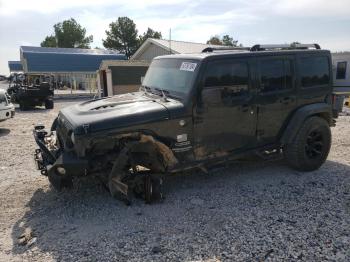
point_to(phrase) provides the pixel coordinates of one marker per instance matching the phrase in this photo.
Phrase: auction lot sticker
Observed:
(187, 66)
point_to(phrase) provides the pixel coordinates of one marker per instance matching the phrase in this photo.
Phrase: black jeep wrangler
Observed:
(193, 111)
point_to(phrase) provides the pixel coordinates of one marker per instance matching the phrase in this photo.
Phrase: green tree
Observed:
(225, 40)
(294, 44)
(150, 33)
(50, 41)
(214, 40)
(68, 34)
(122, 36)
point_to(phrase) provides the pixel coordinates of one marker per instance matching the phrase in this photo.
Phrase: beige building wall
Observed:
(123, 89)
(151, 52)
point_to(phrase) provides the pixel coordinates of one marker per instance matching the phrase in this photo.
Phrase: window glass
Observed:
(288, 74)
(173, 75)
(314, 71)
(2, 99)
(341, 70)
(232, 76)
(273, 75)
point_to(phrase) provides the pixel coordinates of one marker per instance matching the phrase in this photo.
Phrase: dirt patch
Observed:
(243, 212)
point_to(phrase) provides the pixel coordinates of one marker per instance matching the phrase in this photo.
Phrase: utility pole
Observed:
(170, 41)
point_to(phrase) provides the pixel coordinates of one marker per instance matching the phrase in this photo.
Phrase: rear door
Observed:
(276, 96)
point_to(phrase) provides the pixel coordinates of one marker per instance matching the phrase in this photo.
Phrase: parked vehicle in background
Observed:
(341, 77)
(3, 78)
(7, 109)
(196, 110)
(30, 93)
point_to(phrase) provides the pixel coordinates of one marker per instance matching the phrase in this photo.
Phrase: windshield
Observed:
(172, 75)
(3, 99)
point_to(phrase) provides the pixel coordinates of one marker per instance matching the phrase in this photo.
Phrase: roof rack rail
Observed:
(284, 47)
(224, 48)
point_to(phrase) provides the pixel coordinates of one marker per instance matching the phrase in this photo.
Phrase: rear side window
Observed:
(341, 70)
(275, 75)
(232, 75)
(314, 71)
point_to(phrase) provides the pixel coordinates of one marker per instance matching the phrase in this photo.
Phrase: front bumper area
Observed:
(59, 166)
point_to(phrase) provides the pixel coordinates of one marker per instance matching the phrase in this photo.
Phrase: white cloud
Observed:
(313, 8)
(186, 27)
(11, 7)
(253, 21)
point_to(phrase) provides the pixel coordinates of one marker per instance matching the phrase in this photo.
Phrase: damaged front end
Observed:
(53, 161)
(126, 162)
(112, 139)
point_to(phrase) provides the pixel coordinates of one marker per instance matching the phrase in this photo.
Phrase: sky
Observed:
(326, 22)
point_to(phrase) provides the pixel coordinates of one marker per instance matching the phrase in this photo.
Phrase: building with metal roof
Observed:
(72, 67)
(157, 47)
(15, 66)
(118, 77)
(38, 60)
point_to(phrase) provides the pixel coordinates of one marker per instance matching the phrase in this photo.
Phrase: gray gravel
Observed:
(243, 212)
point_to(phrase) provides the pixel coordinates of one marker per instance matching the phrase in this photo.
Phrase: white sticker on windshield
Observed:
(187, 66)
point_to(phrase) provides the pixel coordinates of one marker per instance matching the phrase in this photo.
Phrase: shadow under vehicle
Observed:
(31, 91)
(193, 111)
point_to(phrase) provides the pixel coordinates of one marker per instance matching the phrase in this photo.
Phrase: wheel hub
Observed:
(314, 144)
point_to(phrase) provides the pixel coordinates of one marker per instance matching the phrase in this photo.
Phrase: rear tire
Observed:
(49, 104)
(310, 147)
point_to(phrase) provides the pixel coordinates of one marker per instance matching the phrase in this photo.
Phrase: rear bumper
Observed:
(59, 165)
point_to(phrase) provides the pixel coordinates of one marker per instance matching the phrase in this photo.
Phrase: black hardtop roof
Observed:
(243, 53)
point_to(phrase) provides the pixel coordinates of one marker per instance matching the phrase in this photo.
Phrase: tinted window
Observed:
(3, 99)
(341, 70)
(275, 75)
(314, 71)
(288, 74)
(230, 75)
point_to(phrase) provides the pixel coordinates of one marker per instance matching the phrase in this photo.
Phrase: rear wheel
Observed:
(49, 104)
(311, 145)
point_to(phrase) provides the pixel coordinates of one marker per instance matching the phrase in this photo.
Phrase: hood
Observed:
(115, 112)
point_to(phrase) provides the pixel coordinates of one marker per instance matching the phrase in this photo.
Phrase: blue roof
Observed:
(15, 66)
(46, 59)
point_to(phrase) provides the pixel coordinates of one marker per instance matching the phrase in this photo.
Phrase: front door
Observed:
(225, 117)
(276, 97)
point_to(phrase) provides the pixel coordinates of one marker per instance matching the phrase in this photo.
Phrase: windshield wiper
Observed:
(145, 89)
(163, 93)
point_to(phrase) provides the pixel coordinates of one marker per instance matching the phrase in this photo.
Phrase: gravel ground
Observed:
(243, 212)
